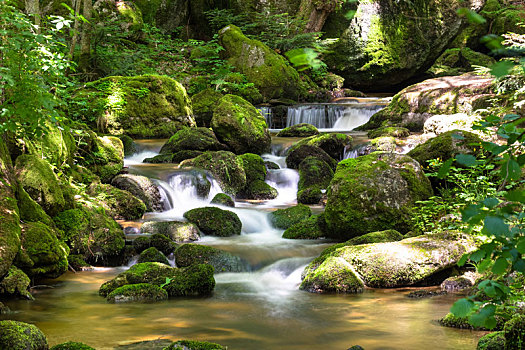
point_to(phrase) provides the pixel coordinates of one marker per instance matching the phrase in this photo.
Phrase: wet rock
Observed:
(204, 103)
(334, 144)
(311, 228)
(15, 283)
(142, 188)
(459, 283)
(258, 190)
(223, 199)
(214, 221)
(118, 203)
(299, 130)
(78, 263)
(285, 218)
(178, 231)
(192, 139)
(15, 335)
(130, 147)
(71, 345)
(152, 254)
(157, 240)
(333, 275)
(420, 294)
(314, 178)
(297, 154)
(142, 293)
(190, 254)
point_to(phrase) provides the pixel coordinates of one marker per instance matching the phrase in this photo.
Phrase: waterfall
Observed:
(267, 114)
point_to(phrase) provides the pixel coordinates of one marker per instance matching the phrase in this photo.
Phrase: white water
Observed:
(354, 117)
(138, 158)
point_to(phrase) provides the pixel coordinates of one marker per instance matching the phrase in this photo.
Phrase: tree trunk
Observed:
(33, 8)
(316, 12)
(85, 40)
(74, 39)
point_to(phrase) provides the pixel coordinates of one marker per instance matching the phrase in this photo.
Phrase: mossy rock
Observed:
(299, 130)
(194, 280)
(446, 146)
(15, 335)
(4, 310)
(183, 155)
(178, 231)
(311, 228)
(42, 254)
(204, 103)
(147, 106)
(453, 321)
(192, 139)
(157, 240)
(214, 221)
(15, 283)
(314, 177)
(384, 144)
(333, 275)
(253, 166)
(457, 61)
(40, 182)
(258, 190)
(334, 144)
(191, 254)
(56, 145)
(492, 341)
(268, 71)
(238, 124)
(223, 199)
(159, 159)
(107, 158)
(224, 166)
(194, 345)
(374, 192)
(376, 237)
(130, 147)
(141, 292)
(311, 195)
(390, 131)
(78, 263)
(285, 218)
(297, 154)
(142, 188)
(31, 211)
(152, 254)
(90, 232)
(118, 203)
(514, 330)
(72, 345)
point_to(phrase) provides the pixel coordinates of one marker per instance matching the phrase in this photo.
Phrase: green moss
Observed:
(177, 231)
(191, 254)
(334, 144)
(450, 320)
(183, 155)
(333, 275)
(141, 292)
(192, 139)
(258, 190)
(310, 228)
(56, 145)
(296, 155)
(141, 106)
(203, 105)
(194, 345)
(285, 218)
(299, 130)
(148, 272)
(492, 341)
(160, 159)
(15, 283)
(376, 237)
(156, 240)
(223, 199)
(515, 333)
(214, 221)
(109, 158)
(71, 345)
(253, 166)
(314, 177)
(119, 204)
(238, 124)
(142, 188)
(152, 254)
(192, 280)
(391, 131)
(77, 262)
(15, 335)
(30, 210)
(129, 145)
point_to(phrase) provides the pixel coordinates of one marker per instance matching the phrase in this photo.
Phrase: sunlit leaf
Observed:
(511, 170)
(472, 16)
(500, 266)
(494, 225)
(462, 307)
(501, 68)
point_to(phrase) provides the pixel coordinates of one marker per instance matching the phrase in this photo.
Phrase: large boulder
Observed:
(204, 103)
(42, 254)
(56, 145)
(238, 124)
(296, 155)
(152, 254)
(191, 254)
(141, 106)
(387, 265)
(156, 240)
(314, 178)
(142, 188)
(140, 292)
(285, 218)
(267, 70)
(214, 221)
(311, 228)
(107, 157)
(15, 335)
(412, 106)
(15, 284)
(374, 192)
(192, 139)
(118, 203)
(178, 231)
(334, 144)
(255, 171)
(225, 167)
(299, 130)
(387, 43)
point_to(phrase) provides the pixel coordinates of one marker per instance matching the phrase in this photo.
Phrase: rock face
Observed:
(388, 42)
(412, 106)
(268, 71)
(386, 265)
(141, 106)
(142, 188)
(238, 124)
(15, 335)
(374, 192)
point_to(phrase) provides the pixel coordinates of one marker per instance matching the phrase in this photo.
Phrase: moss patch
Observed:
(285, 218)
(190, 254)
(214, 221)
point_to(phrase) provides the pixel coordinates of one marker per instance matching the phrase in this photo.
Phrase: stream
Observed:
(259, 309)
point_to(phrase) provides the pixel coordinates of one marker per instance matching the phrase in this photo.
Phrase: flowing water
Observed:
(258, 309)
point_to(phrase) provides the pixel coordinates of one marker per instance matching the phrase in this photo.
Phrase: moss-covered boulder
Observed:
(40, 182)
(383, 144)
(178, 231)
(214, 221)
(492, 341)
(373, 193)
(42, 254)
(258, 190)
(142, 188)
(255, 170)
(31, 211)
(314, 178)
(458, 61)
(394, 264)
(141, 292)
(297, 154)
(223, 199)
(514, 330)
(192, 139)
(72, 345)
(376, 237)
(333, 275)
(224, 166)
(284, 218)
(118, 203)
(334, 144)
(90, 232)
(152, 254)
(194, 345)
(267, 70)
(387, 43)
(157, 240)
(192, 280)
(190, 254)
(412, 106)
(204, 103)
(130, 147)
(253, 166)
(15, 335)
(140, 107)
(56, 145)
(299, 130)
(311, 228)
(447, 145)
(106, 158)
(390, 131)
(238, 124)
(15, 283)
(77, 263)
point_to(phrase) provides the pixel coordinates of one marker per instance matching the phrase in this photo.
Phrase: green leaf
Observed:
(519, 266)
(472, 16)
(500, 266)
(516, 196)
(501, 68)
(511, 170)
(494, 225)
(444, 169)
(490, 202)
(462, 307)
(463, 260)
(466, 160)
(477, 255)
(484, 265)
